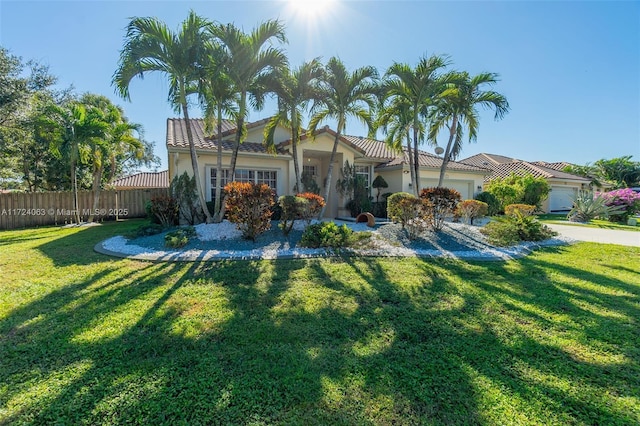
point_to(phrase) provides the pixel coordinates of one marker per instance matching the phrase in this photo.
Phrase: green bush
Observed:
(148, 229)
(291, 208)
(249, 207)
(443, 203)
(415, 215)
(471, 209)
(164, 209)
(394, 210)
(524, 209)
(493, 204)
(326, 234)
(516, 189)
(509, 230)
(180, 237)
(183, 190)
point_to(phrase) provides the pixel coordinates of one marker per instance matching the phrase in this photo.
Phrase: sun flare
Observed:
(310, 8)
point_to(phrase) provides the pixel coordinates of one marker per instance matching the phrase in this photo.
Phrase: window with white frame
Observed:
(310, 170)
(269, 177)
(364, 172)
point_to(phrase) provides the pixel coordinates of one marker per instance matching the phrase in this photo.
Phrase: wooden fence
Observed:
(24, 210)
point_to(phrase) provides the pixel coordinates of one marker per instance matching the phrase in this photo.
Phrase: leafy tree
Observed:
(621, 171)
(294, 89)
(343, 94)
(150, 46)
(516, 189)
(414, 92)
(456, 111)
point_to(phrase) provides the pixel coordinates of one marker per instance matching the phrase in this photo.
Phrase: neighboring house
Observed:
(143, 180)
(255, 164)
(564, 186)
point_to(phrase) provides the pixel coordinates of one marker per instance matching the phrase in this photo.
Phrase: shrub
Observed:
(493, 204)
(515, 189)
(443, 203)
(393, 206)
(471, 209)
(509, 230)
(415, 215)
(164, 209)
(148, 229)
(379, 209)
(354, 186)
(180, 237)
(183, 189)
(249, 207)
(326, 234)
(524, 209)
(315, 203)
(291, 208)
(626, 201)
(588, 206)
(379, 184)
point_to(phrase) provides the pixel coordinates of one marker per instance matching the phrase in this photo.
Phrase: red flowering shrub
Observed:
(249, 207)
(443, 203)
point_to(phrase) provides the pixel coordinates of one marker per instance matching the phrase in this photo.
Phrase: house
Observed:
(564, 186)
(370, 157)
(143, 180)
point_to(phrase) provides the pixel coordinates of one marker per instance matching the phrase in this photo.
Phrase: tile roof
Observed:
(177, 136)
(487, 160)
(144, 180)
(523, 167)
(373, 148)
(558, 166)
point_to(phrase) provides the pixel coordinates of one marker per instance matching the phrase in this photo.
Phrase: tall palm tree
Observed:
(418, 89)
(456, 110)
(343, 94)
(250, 61)
(150, 46)
(218, 98)
(396, 121)
(294, 89)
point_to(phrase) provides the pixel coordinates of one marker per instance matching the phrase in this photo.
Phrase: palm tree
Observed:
(456, 110)
(218, 98)
(418, 89)
(151, 46)
(250, 61)
(396, 121)
(294, 90)
(343, 94)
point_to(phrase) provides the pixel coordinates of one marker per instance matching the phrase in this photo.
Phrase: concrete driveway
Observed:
(598, 235)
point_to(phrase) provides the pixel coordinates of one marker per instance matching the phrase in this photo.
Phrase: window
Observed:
(364, 172)
(268, 177)
(310, 170)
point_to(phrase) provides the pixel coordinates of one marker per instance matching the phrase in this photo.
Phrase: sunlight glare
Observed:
(310, 8)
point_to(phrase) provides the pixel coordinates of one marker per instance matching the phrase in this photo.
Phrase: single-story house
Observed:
(144, 180)
(370, 157)
(564, 186)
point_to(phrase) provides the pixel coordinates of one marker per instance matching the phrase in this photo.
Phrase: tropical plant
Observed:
(294, 89)
(443, 202)
(394, 209)
(415, 214)
(249, 207)
(627, 202)
(413, 91)
(493, 204)
(353, 186)
(471, 209)
(291, 208)
(150, 46)
(164, 210)
(621, 171)
(327, 234)
(343, 94)
(588, 206)
(456, 111)
(183, 190)
(251, 61)
(313, 206)
(379, 184)
(517, 189)
(509, 230)
(180, 237)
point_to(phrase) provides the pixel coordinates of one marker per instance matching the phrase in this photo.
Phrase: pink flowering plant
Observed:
(624, 198)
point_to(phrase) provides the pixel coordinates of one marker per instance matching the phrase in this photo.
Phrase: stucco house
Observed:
(371, 158)
(564, 186)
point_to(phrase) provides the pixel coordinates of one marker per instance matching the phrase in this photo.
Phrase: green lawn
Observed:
(553, 338)
(561, 219)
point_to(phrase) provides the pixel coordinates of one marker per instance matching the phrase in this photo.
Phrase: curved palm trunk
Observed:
(74, 185)
(294, 152)
(327, 184)
(411, 161)
(447, 153)
(416, 162)
(219, 212)
(194, 164)
(97, 178)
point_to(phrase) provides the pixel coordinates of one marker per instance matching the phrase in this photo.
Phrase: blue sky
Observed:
(570, 70)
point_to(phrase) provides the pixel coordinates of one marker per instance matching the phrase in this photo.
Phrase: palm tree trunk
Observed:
(447, 153)
(411, 161)
(219, 208)
(416, 162)
(74, 185)
(194, 164)
(294, 151)
(97, 177)
(327, 184)
(236, 147)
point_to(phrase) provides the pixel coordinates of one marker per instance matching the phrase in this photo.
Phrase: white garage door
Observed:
(464, 187)
(561, 198)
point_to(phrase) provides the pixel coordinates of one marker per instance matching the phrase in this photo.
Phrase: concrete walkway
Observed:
(598, 235)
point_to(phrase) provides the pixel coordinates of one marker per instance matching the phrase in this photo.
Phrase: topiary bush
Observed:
(164, 209)
(493, 204)
(394, 210)
(326, 234)
(314, 204)
(524, 209)
(443, 203)
(249, 207)
(471, 209)
(180, 237)
(291, 208)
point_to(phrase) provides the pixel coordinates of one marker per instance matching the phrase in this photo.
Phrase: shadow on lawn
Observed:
(338, 341)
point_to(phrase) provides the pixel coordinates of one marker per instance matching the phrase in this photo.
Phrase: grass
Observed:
(561, 219)
(553, 338)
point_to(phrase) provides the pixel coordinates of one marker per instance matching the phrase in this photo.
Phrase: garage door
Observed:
(464, 187)
(561, 199)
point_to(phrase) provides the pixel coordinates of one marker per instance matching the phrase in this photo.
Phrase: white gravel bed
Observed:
(121, 247)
